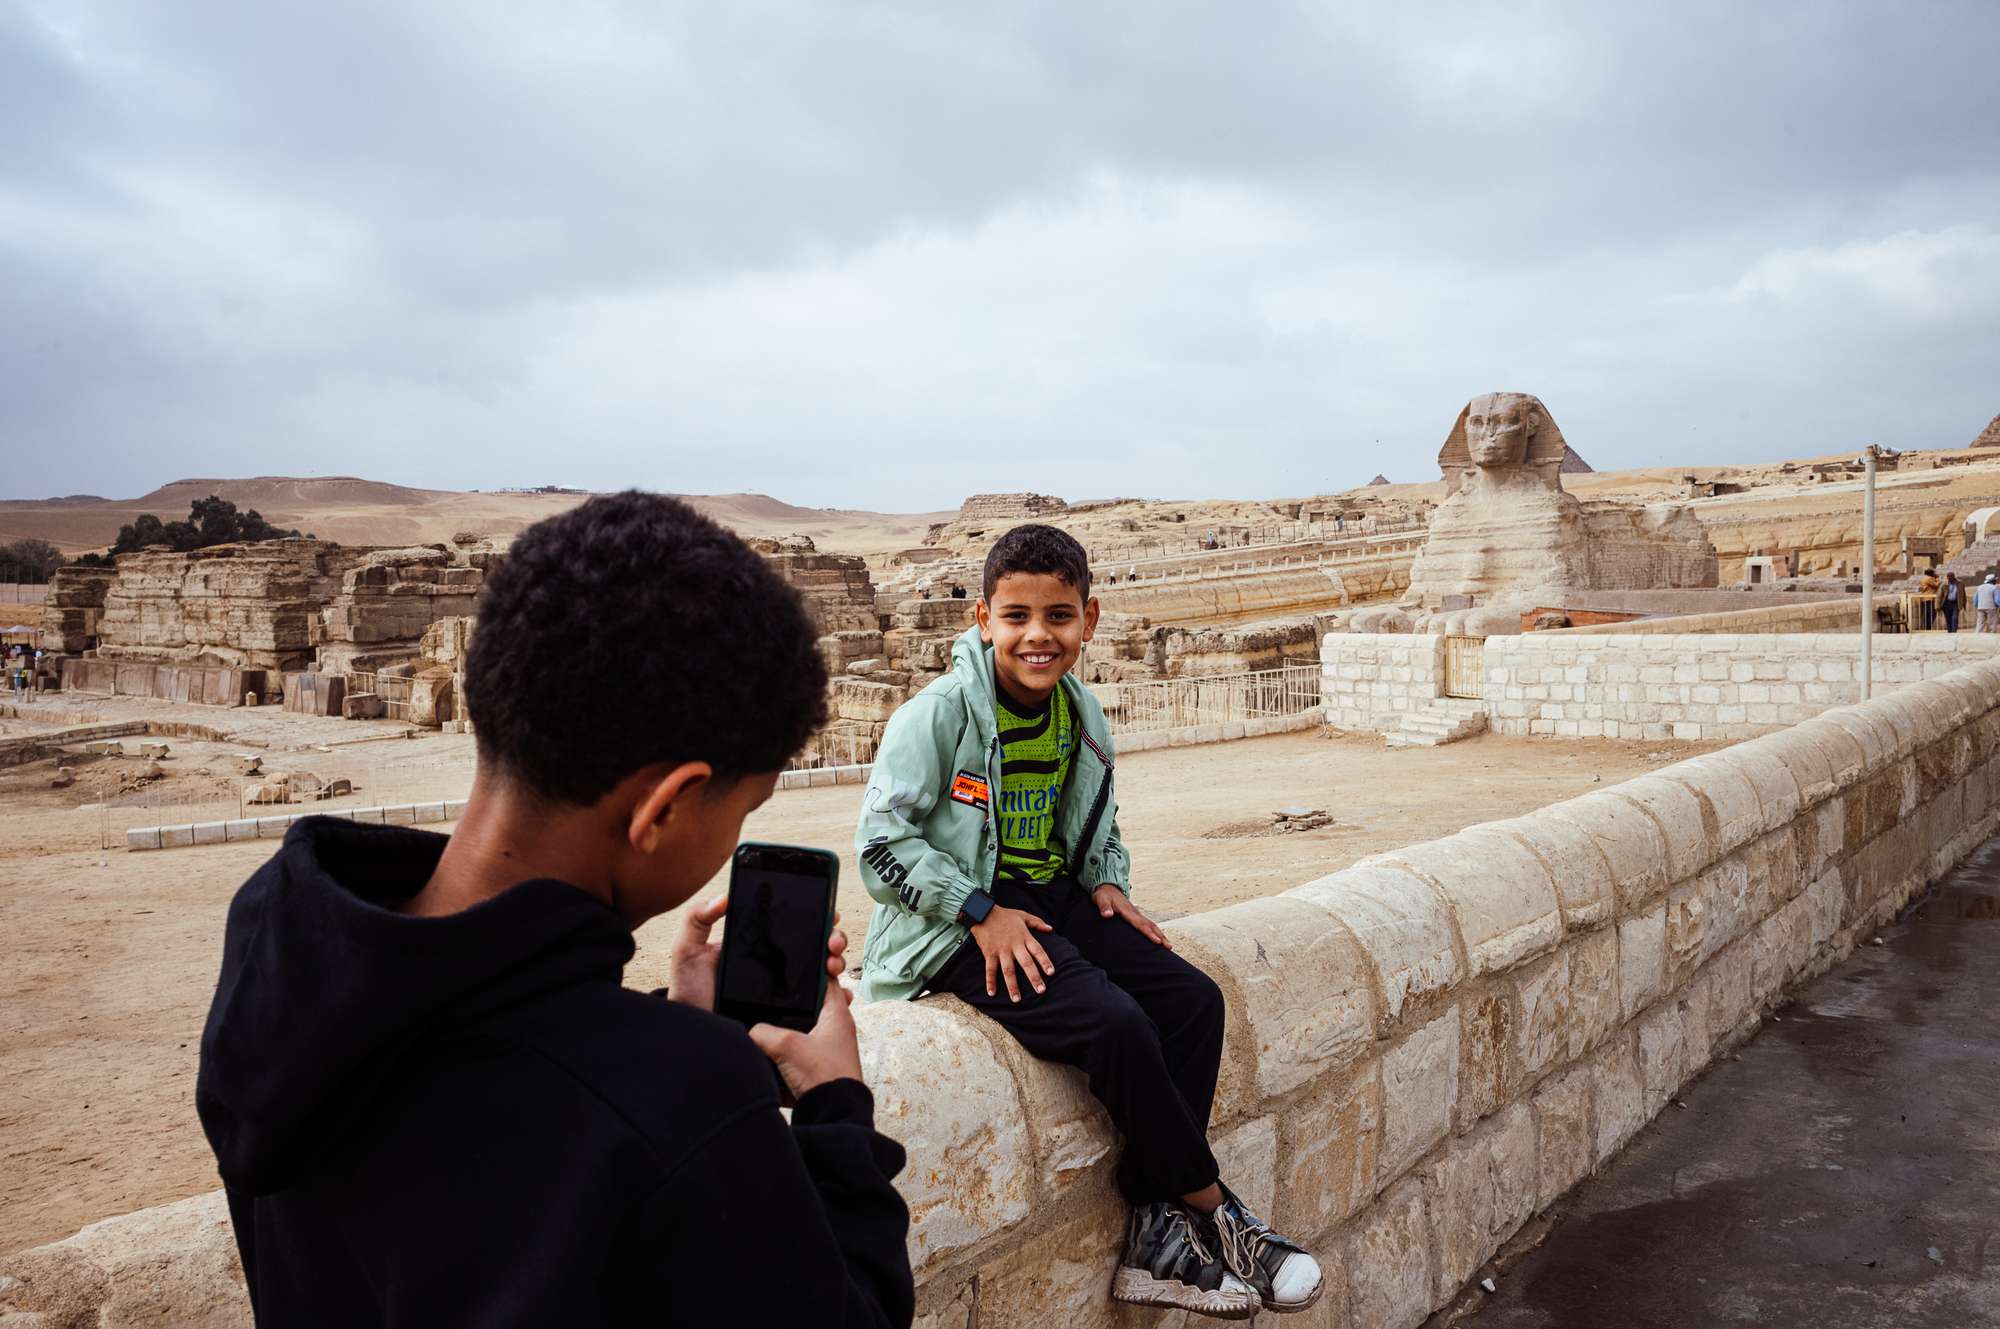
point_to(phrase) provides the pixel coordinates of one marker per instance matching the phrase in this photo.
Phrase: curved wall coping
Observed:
(1423, 1049)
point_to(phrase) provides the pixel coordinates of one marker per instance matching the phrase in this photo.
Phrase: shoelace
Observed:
(1178, 1217)
(1244, 1237)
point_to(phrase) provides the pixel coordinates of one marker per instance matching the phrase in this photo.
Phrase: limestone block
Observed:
(1846, 759)
(1618, 1098)
(1419, 1094)
(1679, 815)
(1386, 1255)
(1402, 923)
(1642, 969)
(273, 828)
(1729, 1005)
(1777, 789)
(1688, 910)
(1300, 981)
(1501, 892)
(942, 1092)
(1826, 903)
(1326, 1162)
(1488, 1069)
(142, 837)
(1563, 1144)
(399, 814)
(1594, 1008)
(172, 1264)
(176, 837)
(1248, 1159)
(1726, 889)
(1576, 864)
(1660, 1036)
(1631, 841)
(1545, 1030)
(1779, 948)
(1876, 738)
(1060, 1276)
(243, 829)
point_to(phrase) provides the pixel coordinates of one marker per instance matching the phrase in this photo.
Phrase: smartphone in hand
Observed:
(773, 965)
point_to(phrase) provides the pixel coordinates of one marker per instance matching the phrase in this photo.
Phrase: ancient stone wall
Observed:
(249, 606)
(836, 587)
(74, 608)
(1638, 549)
(1657, 686)
(1226, 596)
(386, 602)
(1654, 686)
(1424, 1050)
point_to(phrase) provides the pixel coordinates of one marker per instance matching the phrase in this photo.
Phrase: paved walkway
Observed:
(1843, 1171)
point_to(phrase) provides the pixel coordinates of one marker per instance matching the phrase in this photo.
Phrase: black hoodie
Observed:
(468, 1120)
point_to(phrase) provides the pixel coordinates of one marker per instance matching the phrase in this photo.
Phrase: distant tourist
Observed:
(1949, 601)
(1987, 601)
(957, 591)
(431, 1097)
(989, 839)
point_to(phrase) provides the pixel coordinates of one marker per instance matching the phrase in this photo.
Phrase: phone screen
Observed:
(774, 942)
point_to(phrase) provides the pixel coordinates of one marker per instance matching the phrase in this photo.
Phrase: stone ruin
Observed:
(308, 611)
(1509, 538)
(983, 517)
(1989, 437)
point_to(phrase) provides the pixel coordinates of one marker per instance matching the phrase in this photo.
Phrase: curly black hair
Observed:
(1038, 548)
(634, 630)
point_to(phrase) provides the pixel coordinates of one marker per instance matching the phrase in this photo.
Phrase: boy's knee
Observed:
(1206, 995)
(1122, 1021)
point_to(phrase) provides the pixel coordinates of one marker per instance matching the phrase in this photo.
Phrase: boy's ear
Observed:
(664, 793)
(1090, 612)
(982, 614)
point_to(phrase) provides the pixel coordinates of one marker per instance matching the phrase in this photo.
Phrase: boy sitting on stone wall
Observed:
(432, 1099)
(989, 839)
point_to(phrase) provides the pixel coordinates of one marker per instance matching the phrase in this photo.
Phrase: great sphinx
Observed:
(1508, 537)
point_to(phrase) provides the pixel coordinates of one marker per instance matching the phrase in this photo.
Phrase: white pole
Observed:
(1868, 574)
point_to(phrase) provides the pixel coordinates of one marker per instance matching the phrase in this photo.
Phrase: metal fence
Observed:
(1137, 708)
(392, 689)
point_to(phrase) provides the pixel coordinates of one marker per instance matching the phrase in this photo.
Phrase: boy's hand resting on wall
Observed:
(1112, 902)
(1007, 939)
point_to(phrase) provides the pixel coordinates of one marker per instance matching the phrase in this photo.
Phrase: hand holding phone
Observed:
(829, 1052)
(773, 965)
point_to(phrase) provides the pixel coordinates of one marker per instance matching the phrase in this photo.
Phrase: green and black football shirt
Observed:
(1035, 751)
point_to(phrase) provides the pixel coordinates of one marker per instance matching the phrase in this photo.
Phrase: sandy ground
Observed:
(110, 958)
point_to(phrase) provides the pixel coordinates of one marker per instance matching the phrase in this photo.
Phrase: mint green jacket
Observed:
(928, 833)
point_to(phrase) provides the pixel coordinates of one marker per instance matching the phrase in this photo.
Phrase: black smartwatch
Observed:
(976, 907)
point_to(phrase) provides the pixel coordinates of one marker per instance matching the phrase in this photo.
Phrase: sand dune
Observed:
(352, 510)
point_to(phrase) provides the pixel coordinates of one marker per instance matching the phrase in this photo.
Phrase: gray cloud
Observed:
(885, 255)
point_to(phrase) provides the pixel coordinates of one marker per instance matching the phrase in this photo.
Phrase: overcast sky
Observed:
(883, 256)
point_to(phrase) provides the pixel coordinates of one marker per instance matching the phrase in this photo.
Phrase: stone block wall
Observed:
(1698, 686)
(1653, 686)
(1371, 680)
(1424, 1050)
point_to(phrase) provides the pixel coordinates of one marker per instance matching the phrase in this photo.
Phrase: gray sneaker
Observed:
(1173, 1257)
(1286, 1278)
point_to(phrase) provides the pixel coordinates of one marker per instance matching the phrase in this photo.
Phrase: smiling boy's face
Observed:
(1037, 623)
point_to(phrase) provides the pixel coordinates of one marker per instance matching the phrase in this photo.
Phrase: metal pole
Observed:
(1868, 573)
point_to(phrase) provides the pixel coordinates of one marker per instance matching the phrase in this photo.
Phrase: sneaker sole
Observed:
(1137, 1287)
(1293, 1307)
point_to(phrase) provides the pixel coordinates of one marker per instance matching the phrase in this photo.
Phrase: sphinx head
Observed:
(1500, 426)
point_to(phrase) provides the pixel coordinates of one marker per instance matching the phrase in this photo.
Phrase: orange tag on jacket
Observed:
(969, 789)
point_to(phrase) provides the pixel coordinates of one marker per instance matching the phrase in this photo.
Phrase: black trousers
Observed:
(1142, 1023)
(1951, 615)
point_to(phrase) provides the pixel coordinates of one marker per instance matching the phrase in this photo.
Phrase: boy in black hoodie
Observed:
(431, 1099)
